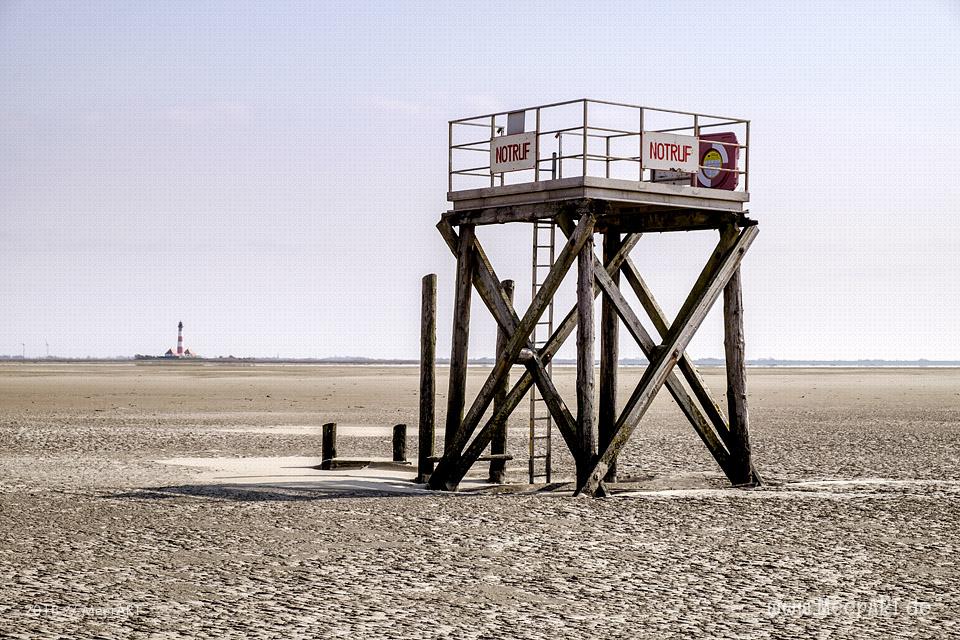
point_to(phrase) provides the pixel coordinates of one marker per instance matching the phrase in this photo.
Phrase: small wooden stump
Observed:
(399, 443)
(328, 445)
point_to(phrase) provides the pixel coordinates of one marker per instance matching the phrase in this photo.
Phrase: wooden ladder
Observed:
(541, 423)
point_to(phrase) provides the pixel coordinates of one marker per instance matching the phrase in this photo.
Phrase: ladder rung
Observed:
(541, 437)
(538, 457)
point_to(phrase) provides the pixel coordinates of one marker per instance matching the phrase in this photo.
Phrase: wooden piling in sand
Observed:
(328, 445)
(586, 427)
(428, 373)
(498, 443)
(399, 443)
(733, 343)
(456, 394)
(609, 356)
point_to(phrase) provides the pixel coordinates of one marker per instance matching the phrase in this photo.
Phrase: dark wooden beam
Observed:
(498, 444)
(609, 356)
(584, 231)
(686, 403)
(637, 220)
(688, 369)
(586, 427)
(685, 364)
(428, 376)
(733, 342)
(500, 305)
(459, 466)
(457, 389)
(695, 310)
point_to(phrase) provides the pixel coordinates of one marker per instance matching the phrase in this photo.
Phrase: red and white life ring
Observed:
(714, 157)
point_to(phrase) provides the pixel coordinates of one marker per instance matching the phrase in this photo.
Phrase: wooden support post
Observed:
(693, 312)
(586, 428)
(428, 377)
(498, 443)
(604, 280)
(711, 409)
(399, 443)
(566, 424)
(328, 445)
(733, 343)
(495, 297)
(451, 469)
(456, 396)
(609, 355)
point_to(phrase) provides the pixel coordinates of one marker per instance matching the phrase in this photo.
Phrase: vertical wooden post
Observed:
(456, 395)
(399, 443)
(586, 431)
(328, 445)
(428, 376)
(609, 355)
(733, 343)
(498, 443)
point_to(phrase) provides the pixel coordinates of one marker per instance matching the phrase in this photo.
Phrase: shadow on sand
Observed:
(268, 493)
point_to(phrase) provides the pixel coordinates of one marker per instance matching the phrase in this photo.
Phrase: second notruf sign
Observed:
(513, 153)
(669, 152)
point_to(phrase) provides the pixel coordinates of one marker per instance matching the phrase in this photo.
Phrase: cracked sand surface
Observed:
(857, 535)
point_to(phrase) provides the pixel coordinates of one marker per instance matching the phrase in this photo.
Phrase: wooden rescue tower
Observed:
(594, 167)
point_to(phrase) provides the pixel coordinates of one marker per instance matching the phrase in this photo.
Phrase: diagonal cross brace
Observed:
(495, 297)
(517, 341)
(689, 370)
(648, 346)
(459, 467)
(523, 385)
(681, 332)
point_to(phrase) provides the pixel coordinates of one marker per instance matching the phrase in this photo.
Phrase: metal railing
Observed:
(586, 138)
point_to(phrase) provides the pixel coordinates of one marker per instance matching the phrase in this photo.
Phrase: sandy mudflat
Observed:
(120, 518)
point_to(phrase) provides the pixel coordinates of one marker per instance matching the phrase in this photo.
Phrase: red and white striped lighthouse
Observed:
(180, 340)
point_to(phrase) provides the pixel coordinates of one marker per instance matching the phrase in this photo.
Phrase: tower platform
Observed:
(631, 205)
(581, 168)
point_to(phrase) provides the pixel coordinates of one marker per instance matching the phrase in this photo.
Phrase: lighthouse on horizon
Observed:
(180, 352)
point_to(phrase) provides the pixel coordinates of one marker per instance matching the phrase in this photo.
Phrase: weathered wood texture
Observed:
(399, 443)
(328, 445)
(586, 427)
(711, 408)
(693, 312)
(609, 356)
(565, 422)
(524, 202)
(629, 219)
(649, 347)
(451, 468)
(498, 444)
(493, 295)
(733, 342)
(428, 376)
(456, 394)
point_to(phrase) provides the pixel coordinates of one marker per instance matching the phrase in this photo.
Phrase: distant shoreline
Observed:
(631, 362)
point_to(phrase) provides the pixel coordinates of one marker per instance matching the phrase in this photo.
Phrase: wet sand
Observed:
(856, 533)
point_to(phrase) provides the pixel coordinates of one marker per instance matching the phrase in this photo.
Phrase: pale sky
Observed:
(271, 173)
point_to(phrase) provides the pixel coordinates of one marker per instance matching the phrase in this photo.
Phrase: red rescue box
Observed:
(719, 151)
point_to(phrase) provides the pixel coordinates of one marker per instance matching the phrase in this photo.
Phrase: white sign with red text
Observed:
(513, 153)
(669, 152)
